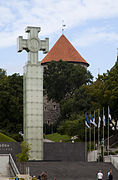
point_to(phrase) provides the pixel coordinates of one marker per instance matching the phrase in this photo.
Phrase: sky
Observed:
(91, 27)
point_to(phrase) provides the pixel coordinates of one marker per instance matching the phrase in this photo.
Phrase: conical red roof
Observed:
(65, 51)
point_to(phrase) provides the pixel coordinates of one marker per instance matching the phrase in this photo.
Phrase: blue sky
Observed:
(91, 26)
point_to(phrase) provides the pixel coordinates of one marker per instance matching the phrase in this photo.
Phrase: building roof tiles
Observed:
(65, 51)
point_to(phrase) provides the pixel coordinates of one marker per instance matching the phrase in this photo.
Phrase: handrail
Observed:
(13, 165)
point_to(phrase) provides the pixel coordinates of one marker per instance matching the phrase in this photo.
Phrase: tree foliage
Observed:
(11, 102)
(73, 126)
(61, 79)
(79, 103)
(104, 91)
(25, 153)
(67, 84)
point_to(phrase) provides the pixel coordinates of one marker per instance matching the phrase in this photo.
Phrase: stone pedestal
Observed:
(33, 109)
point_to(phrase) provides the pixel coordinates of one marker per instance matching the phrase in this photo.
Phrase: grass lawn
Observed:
(4, 138)
(57, 137)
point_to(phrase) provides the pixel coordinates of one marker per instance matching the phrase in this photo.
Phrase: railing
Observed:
(13, 165)
(112, 140)
(114, 160)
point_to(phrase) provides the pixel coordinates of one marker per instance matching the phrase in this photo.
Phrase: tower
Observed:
(64, 50)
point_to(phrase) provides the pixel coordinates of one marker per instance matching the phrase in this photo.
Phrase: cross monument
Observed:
(33, 91)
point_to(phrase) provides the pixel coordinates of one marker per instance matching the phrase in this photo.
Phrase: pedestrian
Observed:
(44, 176)
(99, 175)
(34, 178)
(39, 178)
(110, 175)
(17, 178)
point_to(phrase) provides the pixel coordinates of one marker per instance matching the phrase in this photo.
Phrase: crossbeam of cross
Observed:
(33, 44)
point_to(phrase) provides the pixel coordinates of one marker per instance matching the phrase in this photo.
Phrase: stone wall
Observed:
(12, 148)
(51, 111)
(64, 151)
(52, 151)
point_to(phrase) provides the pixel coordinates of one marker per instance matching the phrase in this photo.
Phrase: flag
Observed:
(109, 116)
(92, 120)
(87, 122)
(117, 125)
(104, 120)
(113, 122)
(99, 121)
(113, 128)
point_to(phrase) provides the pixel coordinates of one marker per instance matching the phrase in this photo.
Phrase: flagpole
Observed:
(90, 138)
(103, 133)
(108, 131)
(94, 137)
(98, 133)
(85, 143)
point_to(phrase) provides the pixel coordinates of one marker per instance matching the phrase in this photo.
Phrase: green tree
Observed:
(62, 78)
(111, 90)
(79, 103)
(11, 102)
(74, 126)
(104, 92)
(24, 156)
(95, 92)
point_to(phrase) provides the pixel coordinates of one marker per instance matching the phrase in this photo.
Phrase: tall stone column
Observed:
(33, 91)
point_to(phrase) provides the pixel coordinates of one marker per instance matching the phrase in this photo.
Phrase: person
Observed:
(110, 175)
(44, 175)
(39, 178)
(16, 178)
(34, 178)
(99, 175)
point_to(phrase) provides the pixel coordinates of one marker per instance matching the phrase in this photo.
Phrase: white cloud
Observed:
(16, 15)
(95, 35)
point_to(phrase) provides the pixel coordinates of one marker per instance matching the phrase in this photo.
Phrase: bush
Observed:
(92, 146)
(112, 153)
(116, 152)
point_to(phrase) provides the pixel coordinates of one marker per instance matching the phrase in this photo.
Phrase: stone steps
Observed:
(71, 170)
(4, 178)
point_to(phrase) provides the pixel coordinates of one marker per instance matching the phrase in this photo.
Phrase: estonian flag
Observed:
(104, 120)
(87, 122)
(109, 116)
(99, 121)
(92, 120)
